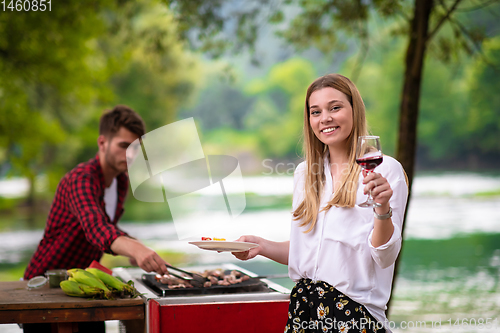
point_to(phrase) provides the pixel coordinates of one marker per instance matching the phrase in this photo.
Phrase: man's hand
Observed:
(150, 261)
(143, 256)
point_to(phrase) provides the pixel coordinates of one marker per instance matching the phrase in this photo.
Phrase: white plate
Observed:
(224, 246)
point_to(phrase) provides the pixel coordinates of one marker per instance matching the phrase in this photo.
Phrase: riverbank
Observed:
(450, 262)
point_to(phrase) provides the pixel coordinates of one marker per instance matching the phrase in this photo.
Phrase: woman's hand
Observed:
(277, 251)
(249, 254)
(381, 193)
(380, 189)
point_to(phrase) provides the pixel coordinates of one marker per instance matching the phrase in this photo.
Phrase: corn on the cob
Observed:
(88, 290)
(82, 276)
(72, 288)
(110, 281)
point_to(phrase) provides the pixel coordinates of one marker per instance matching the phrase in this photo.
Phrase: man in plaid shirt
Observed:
(82, 223)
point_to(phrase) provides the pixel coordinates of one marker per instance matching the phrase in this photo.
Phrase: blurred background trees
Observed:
(443, 30)
(241, 69)
(61, 69)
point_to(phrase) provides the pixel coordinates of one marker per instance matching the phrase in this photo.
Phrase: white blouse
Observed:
(339, 251)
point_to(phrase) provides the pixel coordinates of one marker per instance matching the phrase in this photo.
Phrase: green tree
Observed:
(221, 24)
(323, 23)
(48, 74)
(221, 105)
(161, 74)
(56, 80)
(277, 114)
(441, 131)
(483, 116)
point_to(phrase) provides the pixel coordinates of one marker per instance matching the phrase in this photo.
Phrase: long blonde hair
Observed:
(315, 150)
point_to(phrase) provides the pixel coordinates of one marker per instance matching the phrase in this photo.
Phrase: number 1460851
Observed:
(26, 5)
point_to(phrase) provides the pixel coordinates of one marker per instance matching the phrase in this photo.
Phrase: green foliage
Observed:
(89, 56)
(217, 25)
(161, 74)
(45, 73)
(457, 29)
(442, 113)
(458, 107)
(260, 202)
(467, 251)
(379, 85)
(264, 117)
(57, 80)
(227, 140)
(220, 105)
(140, 211)
(278, 112)
(483, 116)
(13, 272)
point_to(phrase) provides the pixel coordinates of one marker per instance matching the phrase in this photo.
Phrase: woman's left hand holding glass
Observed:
(380, 189)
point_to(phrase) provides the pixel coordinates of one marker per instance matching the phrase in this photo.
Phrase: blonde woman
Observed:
(341, 256)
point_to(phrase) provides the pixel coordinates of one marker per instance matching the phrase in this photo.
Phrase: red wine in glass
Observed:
(370, 162)
(368, 156)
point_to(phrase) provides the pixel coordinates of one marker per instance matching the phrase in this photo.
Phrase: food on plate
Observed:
(215, 277)
(215, 239)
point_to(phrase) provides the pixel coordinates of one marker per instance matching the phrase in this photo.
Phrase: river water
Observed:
(450, 264)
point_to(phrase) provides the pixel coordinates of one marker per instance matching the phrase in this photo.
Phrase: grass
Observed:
(259, 202)
(12, 272)
(137, 211)
(173, 258)
(488, 194)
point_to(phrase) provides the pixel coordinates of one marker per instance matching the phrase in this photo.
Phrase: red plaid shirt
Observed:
(78, 229)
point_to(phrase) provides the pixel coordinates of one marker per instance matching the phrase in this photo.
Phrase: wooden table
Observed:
(51, 305)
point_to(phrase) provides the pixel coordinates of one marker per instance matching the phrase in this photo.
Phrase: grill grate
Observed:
(160, 289)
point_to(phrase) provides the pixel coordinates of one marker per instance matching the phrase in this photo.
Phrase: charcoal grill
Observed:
(255, 305)
(250, 285)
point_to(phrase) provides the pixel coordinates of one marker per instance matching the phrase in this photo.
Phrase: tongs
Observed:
(196, 280)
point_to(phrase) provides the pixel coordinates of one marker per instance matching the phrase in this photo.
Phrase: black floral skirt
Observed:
(319, 307)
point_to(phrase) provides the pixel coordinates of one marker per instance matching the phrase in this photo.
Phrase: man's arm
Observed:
(146, 258)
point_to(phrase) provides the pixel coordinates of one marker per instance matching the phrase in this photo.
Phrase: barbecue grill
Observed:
(255, 305)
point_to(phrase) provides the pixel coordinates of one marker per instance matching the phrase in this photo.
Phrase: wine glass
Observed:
(368, 156)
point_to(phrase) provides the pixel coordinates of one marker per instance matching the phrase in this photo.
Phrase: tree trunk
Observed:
(414, 65)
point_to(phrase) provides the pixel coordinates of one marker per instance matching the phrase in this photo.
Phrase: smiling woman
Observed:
(340, 256)
(330, 116)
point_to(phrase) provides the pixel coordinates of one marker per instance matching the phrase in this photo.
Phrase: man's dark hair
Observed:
(121, 116)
